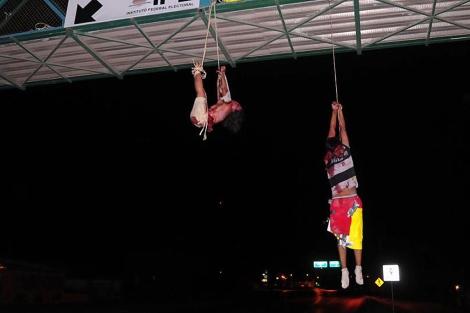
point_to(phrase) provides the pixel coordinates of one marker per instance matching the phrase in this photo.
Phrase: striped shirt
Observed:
(340, 169)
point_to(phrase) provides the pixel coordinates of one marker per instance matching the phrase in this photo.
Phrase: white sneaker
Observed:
(344, 278)
(358, 273)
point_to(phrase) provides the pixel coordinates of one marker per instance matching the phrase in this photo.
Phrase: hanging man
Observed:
(346, 207)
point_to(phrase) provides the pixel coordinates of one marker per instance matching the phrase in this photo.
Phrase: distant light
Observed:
(318, 277)
(2, 267)
(306, 274)
(320, 264)
(220, 272)
(283, 277)
(277, 277)
(457, 287)
(290, 275)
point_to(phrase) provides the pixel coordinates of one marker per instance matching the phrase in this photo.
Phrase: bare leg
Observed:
(342, 256)
(199, 86)
(358, 257)
(223, 89)
(344, 268)
(358, 269)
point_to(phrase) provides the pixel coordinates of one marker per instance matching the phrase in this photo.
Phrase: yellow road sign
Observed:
(379, 282)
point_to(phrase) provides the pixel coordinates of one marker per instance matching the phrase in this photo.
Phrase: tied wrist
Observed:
(199, 70)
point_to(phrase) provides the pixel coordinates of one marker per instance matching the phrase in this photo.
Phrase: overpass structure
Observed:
(55, 41)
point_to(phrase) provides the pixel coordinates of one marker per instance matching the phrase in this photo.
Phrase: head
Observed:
(234, 121)
(332, 143)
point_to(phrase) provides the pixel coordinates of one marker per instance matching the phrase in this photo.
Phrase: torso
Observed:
(220, 111)
(340, 170)
(347, 192)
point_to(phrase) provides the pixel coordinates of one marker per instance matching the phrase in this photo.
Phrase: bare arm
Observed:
(333, 119)
(223, 89)
(342, 127)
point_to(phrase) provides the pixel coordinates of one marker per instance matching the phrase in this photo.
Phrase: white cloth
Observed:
(200, 113)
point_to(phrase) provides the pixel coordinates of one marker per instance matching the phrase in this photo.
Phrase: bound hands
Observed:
(336, 106)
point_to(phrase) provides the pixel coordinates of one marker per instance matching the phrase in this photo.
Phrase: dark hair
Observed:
(332, 142)
(234, 121)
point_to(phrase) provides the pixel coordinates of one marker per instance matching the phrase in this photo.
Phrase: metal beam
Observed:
(304, 21)
(12, 82)
(323, 40)
(18, 43)
(19, 58)
(437, 17)
(51, 4)
(285, 28)
(137, 45)
(178, 31)
(232, 7)
(387, 45)
(294, 33)
(53, 64)
(357, 22)
(94, 54)
(311, 17)
(185, 53)
(141, 31)
(78, 68)
(396, 32)
(47, 58)
(430, 22)
(112, 40)
(140, 60)
(453, 7)
(229, 59)
(432, 16)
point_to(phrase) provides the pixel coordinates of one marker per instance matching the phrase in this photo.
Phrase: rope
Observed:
(333, 53)
(204, 131)
(219, 76)
(207, 32)
(216, 37)
(201, 67)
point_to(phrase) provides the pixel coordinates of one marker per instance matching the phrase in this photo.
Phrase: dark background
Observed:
(108, 177)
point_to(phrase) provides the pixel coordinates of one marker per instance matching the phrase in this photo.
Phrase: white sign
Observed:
(81, 12)
(391, 273)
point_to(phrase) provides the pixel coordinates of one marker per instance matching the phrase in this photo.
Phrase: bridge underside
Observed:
(247, 31)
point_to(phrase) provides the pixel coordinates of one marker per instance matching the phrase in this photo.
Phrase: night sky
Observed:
(105, 174)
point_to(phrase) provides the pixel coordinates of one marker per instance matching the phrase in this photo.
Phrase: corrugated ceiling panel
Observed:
(46, 73)
(249, 33)
(4, 83)
(70, 73)
(72, 54)
(42, 47)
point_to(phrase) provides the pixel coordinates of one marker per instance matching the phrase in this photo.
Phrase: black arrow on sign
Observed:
(85, 15)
